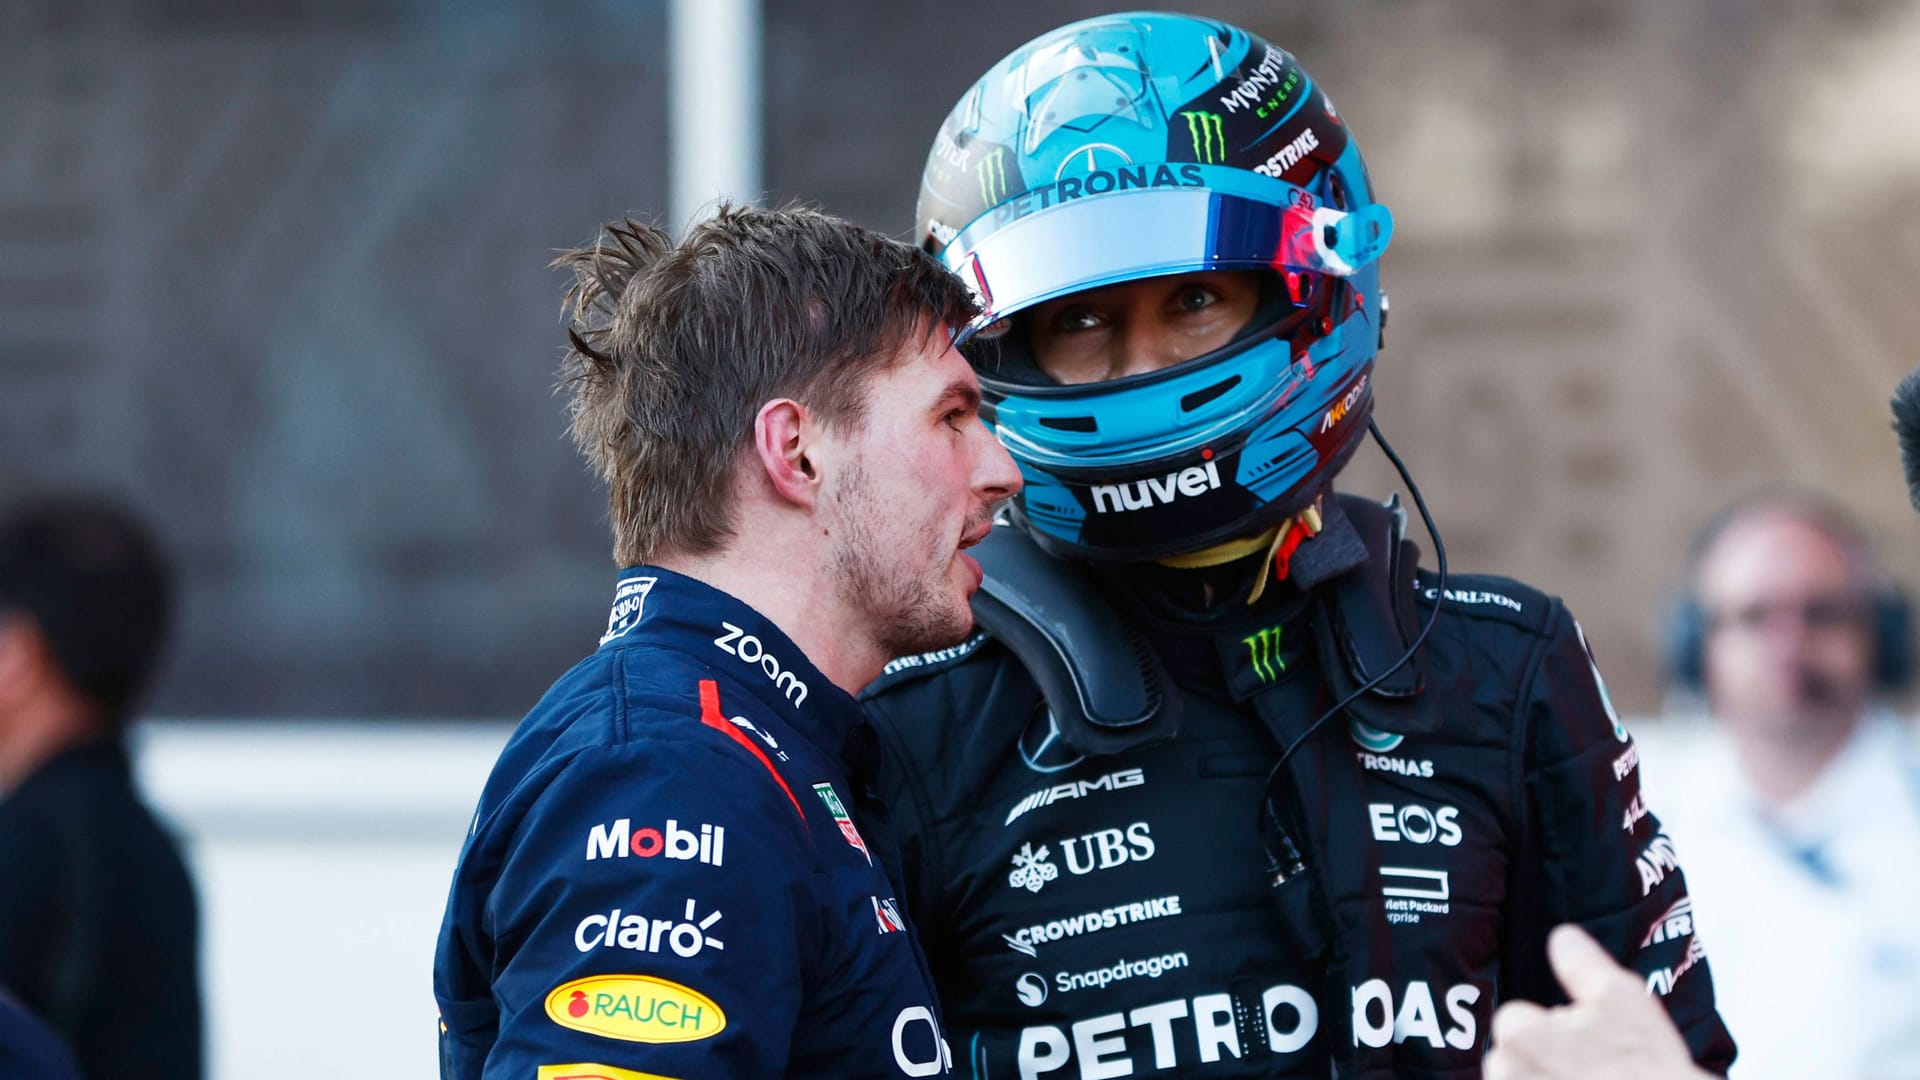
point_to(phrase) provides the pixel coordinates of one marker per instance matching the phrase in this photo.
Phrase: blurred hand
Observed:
(1612, 1030)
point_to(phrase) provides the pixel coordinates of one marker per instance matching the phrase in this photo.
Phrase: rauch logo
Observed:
(635, 1008)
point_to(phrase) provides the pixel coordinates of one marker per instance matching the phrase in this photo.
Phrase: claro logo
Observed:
(739, 643)
(635, 1008)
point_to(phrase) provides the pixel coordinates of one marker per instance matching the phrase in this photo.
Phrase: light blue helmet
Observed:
(1137, 145)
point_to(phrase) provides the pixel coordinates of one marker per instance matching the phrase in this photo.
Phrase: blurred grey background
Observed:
(275, 272)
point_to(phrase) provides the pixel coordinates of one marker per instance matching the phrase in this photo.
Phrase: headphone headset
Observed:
(1890, 615)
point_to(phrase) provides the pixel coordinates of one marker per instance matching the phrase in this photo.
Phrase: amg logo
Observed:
(1289, 155)
(750, 650)
(1156, 491)
(1656, 862)
(1255, 84)
(1075, 789)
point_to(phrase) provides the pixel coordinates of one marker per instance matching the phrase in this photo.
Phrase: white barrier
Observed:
(322, 852)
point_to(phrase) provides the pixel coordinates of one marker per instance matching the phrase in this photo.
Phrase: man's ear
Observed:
(784, 433)
(20, 646)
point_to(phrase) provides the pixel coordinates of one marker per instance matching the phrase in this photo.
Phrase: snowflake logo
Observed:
(1031, 870)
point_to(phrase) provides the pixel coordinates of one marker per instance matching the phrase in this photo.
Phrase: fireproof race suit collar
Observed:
(657, 608)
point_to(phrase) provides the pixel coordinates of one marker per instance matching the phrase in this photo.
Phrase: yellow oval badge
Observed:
(635, 1008)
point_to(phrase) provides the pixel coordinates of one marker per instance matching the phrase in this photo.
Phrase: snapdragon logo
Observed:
(1100, 978)
(738, 643)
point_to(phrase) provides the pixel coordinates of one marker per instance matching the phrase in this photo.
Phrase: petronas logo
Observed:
(1209, 137)
(992, 173)
(1372, 738)
(1263, 652)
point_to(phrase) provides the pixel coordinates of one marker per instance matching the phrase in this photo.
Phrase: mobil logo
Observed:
(694, 843)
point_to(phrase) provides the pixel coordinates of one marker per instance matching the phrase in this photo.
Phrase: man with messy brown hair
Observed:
(676, 868)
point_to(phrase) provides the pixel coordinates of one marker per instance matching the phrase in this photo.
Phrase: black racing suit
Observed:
(1116, 914)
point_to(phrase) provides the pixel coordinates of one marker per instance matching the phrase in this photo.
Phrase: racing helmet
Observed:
(1145, 144)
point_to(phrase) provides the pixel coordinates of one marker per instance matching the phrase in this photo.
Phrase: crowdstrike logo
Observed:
(748, 649)
(687, 937)
(1074, 789)
(1028, 939)
(1156, 491)
(1286, 158)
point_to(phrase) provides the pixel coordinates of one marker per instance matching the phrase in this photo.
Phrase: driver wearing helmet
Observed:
(1228, 783)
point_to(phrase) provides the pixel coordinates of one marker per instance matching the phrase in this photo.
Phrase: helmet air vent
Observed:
(1200, 397)
(1070, 423)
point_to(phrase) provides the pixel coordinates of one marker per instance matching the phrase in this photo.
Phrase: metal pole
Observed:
(713, 106)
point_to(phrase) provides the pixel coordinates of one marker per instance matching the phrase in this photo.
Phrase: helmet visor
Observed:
(1032, 249)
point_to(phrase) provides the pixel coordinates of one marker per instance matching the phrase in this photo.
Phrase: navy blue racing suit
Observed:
(677, 870)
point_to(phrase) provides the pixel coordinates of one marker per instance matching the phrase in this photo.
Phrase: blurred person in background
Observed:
(1801, 817)
(98, 924)
(677, 865)
(1229, 786)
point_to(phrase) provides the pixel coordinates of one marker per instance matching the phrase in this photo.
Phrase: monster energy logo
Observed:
(1209, 137)
(1263, 652)
(992, 172)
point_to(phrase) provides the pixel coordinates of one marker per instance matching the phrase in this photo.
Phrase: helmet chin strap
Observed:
(1278, 542)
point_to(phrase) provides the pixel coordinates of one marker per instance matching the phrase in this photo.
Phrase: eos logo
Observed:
(1075, 789)
(617, 841)
(1032, 989)
(1415, 824)
(1156, 491)
(1144, 1039)
(750, 650)
(920, 1054)
(1376, 1022)
(638, 933)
